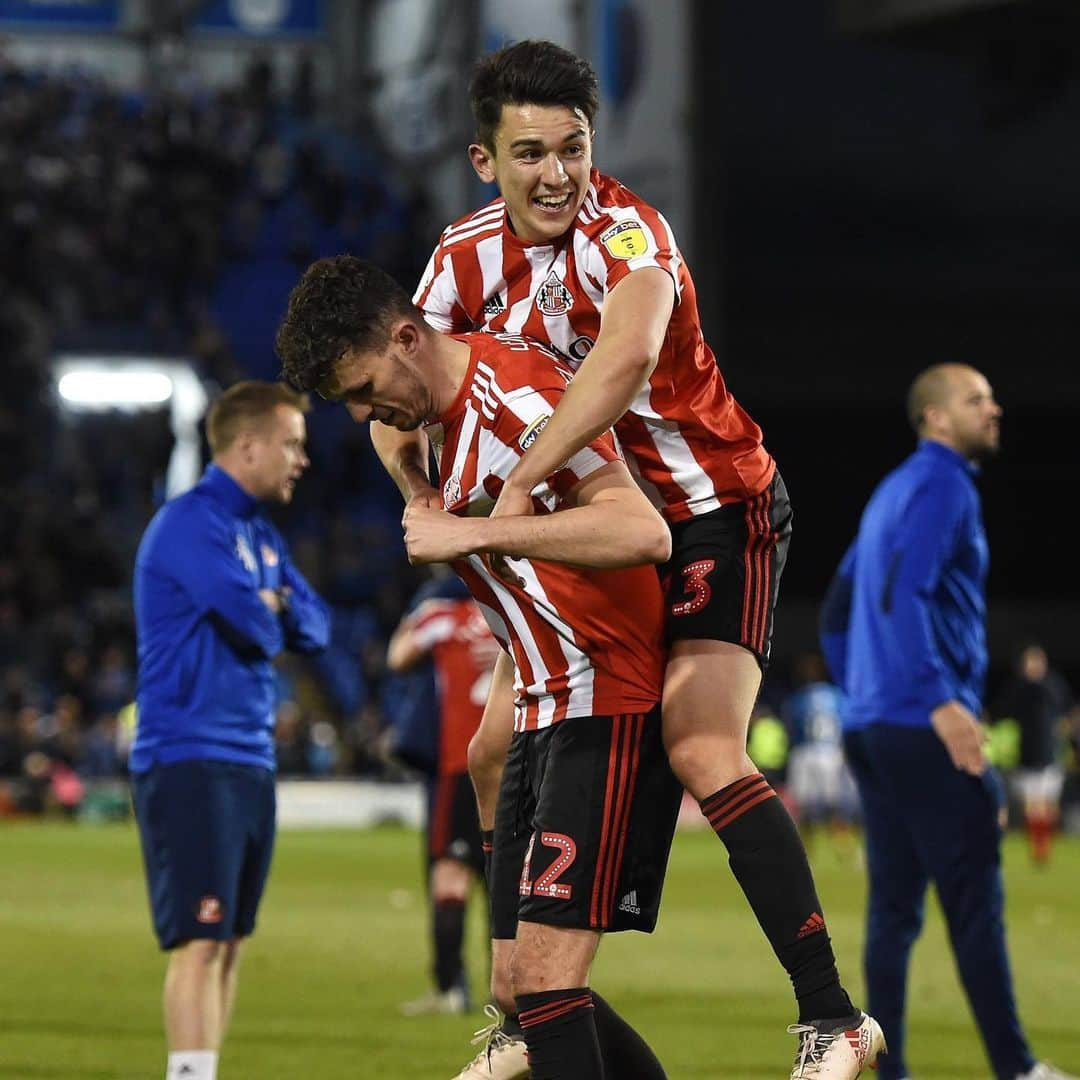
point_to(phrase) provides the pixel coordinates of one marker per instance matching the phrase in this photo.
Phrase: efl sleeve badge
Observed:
(625, 240)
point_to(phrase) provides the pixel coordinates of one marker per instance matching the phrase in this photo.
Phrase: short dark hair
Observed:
(340, 303)
(247, 405)
(529, 73)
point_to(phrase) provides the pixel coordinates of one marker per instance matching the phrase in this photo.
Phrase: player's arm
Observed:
(405, 649)
(932, 519)
(835, 617)
(633, 326)
(404, 455)
(487, 750)
(606, 523)
(304, 614)
(202, 558)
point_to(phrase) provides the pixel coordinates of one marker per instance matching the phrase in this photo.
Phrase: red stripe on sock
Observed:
(738, 812)
(544, 1014)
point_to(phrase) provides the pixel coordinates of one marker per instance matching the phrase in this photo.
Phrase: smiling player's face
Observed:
(541, 163)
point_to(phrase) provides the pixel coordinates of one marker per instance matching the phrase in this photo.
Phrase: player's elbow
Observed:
(653, 540)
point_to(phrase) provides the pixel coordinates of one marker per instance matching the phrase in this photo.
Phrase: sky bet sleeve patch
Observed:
(625, 240)
(528, 437)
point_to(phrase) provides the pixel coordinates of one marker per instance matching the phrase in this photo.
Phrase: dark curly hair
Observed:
(340, 303)
(529, 73)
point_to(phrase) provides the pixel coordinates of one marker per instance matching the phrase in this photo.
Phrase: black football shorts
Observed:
(584, 824)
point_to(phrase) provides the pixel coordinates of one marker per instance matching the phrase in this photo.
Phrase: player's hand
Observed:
(959, 729)
(512, 502)
(433, 535)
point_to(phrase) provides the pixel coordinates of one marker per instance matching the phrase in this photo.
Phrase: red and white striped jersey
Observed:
(584, 642)
(689, 443)
(463, 650)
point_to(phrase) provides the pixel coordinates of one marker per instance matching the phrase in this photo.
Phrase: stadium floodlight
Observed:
(95, 383)
(101, 388)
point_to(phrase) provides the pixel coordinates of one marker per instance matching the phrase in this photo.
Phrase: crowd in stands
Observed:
(170, 223)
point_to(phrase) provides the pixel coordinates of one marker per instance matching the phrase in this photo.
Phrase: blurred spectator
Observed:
(1038, 700)
(818, 777)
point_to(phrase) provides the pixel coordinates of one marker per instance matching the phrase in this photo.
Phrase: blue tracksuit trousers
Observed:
(928, 822)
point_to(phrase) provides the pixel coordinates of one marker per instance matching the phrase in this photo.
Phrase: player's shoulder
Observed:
(475, 226)
(514, 365)
(619, 224)
(608, 203)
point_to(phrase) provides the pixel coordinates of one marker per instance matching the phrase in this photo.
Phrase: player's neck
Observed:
(449, 370)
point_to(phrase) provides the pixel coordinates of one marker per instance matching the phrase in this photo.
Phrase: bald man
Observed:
(904, 632)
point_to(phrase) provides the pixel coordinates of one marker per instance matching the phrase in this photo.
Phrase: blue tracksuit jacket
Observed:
(903, 626)
(205, 638)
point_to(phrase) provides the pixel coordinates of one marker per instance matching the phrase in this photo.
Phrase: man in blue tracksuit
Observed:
(216, 599)
(903, 632)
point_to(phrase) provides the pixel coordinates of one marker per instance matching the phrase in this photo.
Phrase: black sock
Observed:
(560, 1035)
(769, 862)
(487, 845)
(449, 927)
(511, 1027)
(624, 1052)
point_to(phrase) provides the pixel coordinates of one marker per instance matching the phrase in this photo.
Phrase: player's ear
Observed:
(408, 335)
(483, 162)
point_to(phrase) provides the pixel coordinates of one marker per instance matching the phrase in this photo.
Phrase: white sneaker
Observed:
(502, 1057)
(437, 1003)
(1042, 1071)
(838, 1053)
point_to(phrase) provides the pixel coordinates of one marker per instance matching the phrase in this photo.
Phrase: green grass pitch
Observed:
(342, 941)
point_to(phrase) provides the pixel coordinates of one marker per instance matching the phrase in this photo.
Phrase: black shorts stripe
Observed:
(622, 777)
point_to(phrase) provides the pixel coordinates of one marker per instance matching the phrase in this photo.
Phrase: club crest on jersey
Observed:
(625, 240)
(494, 305)
(554, 298)
(528, 437)
(245, 554)
(451, 492)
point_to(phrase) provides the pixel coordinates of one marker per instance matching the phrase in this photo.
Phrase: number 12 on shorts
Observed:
(548, 884)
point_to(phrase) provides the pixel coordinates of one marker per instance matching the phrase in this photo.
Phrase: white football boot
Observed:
(502, 1057)
(837, 1053)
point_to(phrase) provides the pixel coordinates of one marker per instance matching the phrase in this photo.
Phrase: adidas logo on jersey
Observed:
(629, 903)
(494, 305)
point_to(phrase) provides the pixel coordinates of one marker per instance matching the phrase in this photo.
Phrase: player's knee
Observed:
(198, 954)
(450, 881)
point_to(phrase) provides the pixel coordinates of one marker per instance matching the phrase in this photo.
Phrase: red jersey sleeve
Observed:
(635, 237)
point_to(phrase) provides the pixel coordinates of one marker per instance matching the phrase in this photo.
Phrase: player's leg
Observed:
(897, 895)
(193, 845)
(192, 998)
(722, 588)
(253, 809)
(489, 746)
(502, 1054)
(606, 807)
(230, 972)
(550, 974)
(957, 828)
(453, 854)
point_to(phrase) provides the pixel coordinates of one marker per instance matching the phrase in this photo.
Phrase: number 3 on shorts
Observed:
(695, 586)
